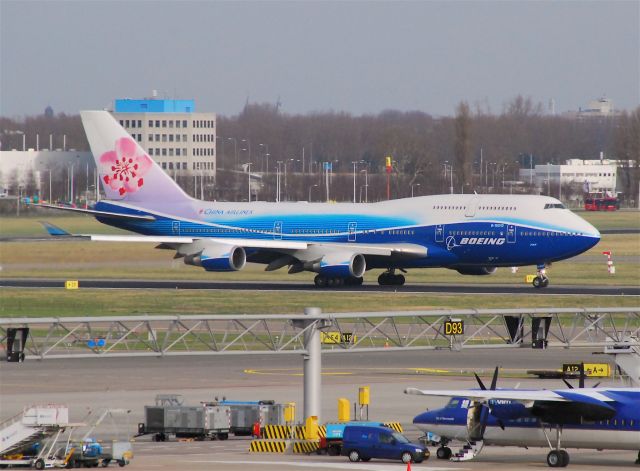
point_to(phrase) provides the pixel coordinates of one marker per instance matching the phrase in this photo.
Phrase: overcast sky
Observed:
(358, 57)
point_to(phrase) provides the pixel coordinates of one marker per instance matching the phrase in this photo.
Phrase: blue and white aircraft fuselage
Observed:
(472, 233)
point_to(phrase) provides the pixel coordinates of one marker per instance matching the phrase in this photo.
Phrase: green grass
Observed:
(91, 302)
(626, 219)
(81, 260)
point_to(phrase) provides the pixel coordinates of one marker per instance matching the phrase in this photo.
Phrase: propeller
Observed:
(484, 412)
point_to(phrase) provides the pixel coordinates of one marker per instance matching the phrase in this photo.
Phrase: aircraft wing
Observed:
(588, 396)
(93, 212)
(274, 244)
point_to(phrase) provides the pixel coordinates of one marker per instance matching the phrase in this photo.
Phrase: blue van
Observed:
(363, 442)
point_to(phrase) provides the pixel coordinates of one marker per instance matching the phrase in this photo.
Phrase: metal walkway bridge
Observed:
(164, 335)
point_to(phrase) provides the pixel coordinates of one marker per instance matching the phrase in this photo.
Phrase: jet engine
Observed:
(218, 258)
(473, 270)
(342, 265)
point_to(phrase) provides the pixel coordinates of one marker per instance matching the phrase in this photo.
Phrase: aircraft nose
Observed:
(424, 418)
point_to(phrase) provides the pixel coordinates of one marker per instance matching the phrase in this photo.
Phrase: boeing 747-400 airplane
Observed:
(473, 234)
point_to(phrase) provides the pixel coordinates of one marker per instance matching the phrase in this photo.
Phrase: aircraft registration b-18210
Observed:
(473, 234)
(591, 418)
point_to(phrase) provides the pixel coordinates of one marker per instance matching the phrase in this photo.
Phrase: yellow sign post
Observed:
(591, 370)
(71, 284)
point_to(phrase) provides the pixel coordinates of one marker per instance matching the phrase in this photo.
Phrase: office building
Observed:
(182, 141)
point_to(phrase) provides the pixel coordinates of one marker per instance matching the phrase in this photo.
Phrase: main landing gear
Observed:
(389, 278)
(541, 280)
(322, 281)
(557, 457)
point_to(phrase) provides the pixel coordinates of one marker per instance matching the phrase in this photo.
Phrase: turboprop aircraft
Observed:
(596, 418)
(472, 234)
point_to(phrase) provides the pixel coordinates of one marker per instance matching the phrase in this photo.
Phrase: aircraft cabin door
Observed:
(175, 227)
(352, 231)
(277, 230)
(440, 233)
(511, 234)
(470, 209)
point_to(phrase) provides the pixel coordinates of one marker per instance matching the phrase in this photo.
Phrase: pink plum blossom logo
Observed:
(124, 168)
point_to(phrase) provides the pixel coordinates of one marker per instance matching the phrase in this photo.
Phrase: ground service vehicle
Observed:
(244, 414)
(331, 443)
(363, 442)
(199, 422)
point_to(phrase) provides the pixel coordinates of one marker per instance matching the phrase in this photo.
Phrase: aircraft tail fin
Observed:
(126, 171)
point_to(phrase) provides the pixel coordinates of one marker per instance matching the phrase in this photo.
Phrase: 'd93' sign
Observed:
(454, 328)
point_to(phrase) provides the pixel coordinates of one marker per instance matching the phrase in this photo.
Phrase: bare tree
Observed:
(462, 145)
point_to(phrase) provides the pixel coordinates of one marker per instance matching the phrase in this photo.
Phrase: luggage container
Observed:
(199, 422)
(244, 414)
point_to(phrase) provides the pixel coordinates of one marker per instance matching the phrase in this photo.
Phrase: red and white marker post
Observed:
(610, 268)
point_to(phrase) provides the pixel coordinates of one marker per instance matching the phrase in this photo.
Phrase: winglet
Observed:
(54, 230)
(415, 391)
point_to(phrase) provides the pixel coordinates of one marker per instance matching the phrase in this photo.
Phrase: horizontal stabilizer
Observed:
(104, 214)
(54, 230)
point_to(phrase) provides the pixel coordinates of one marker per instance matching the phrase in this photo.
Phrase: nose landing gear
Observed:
(541, 280)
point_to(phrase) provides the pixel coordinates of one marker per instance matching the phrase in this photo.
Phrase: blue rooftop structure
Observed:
(150, 105)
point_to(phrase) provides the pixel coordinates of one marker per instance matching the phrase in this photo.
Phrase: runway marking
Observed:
(319, 464)
(284, 372)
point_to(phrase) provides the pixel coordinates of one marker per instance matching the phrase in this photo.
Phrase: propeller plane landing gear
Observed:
(444, 453)
(557, 457)
(389, 278)
(541, 280)
(322, 281)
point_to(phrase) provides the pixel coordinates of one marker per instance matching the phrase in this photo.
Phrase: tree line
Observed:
(473, 150)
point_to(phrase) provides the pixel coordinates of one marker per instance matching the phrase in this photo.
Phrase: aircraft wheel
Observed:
(399, 280)
(358, 281)
(555, 459)
(537, 282)
(338, 282)
(545, 282)
(443, 453)
(383, 279)
(39, 464)
(638, 460)
(320, 281)
(565, 458)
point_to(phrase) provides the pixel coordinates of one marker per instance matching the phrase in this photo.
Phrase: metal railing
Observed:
(163, 335)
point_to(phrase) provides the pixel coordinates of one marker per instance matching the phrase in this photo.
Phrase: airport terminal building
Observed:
(182, 141)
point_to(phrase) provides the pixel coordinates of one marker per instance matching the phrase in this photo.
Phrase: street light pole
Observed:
(414, 184)
(354, 180)
(266, 156)
(249, 180)
(249, 147)
(311, 188)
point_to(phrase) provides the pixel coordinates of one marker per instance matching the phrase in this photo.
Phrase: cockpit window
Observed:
(554, 205)
(453, 403)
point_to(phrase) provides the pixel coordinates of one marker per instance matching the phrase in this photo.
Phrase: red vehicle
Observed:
(599, 202)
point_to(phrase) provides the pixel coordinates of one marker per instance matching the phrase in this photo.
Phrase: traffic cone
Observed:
(409, 466)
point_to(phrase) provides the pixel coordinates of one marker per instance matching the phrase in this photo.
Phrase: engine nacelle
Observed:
(342, 264)
(507, 410)
(471, 270)
(218, 258)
